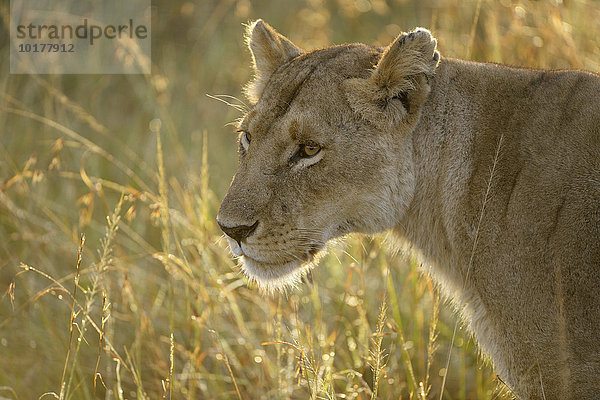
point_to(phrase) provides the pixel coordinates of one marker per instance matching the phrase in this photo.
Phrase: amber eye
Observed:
(245, 139)
(310, 150)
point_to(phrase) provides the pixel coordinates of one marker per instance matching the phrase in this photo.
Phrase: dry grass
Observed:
(151, 305)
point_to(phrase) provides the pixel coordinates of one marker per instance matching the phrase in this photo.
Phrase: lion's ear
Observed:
(399, 83)
(269, 50)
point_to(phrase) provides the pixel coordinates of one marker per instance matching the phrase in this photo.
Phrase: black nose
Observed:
(239, 233)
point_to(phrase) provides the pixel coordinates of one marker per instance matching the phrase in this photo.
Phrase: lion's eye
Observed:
(245, 139)
(310, 150)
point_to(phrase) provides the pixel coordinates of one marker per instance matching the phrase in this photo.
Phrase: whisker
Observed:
(227, 96)
(311, 230)
(241, 108)
(293, 256)
(308, 240)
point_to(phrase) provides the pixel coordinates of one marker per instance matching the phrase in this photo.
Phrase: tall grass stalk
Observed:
(412, 381)
(225, 358)
(378, 355)
(486, 197)
(431, 346)
(74, 313)
(101, 266)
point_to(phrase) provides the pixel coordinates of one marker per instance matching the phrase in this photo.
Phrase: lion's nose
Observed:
(238, 233)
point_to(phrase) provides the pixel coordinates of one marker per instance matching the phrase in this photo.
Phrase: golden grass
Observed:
(152, 305)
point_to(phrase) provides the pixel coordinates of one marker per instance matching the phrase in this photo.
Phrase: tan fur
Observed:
(492, 172)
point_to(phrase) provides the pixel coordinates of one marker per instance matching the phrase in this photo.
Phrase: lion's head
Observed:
(325, 149)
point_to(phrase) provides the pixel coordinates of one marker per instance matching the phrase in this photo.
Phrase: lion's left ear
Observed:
(399, 84)
(269, 50)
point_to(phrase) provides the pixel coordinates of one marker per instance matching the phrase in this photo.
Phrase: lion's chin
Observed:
(272, 277)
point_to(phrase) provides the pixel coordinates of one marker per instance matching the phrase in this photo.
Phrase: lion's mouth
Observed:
(275, 276)
(277, 269)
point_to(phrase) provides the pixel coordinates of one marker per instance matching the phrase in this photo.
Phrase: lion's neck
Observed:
(439, 221)
(454, 144)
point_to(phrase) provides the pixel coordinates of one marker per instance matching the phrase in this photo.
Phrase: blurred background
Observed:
(155, 307)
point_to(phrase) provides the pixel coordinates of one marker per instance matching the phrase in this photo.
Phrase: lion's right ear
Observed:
(399, 83)
(269, 50)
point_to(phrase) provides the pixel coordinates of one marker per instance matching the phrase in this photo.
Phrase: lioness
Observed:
(493, 172)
